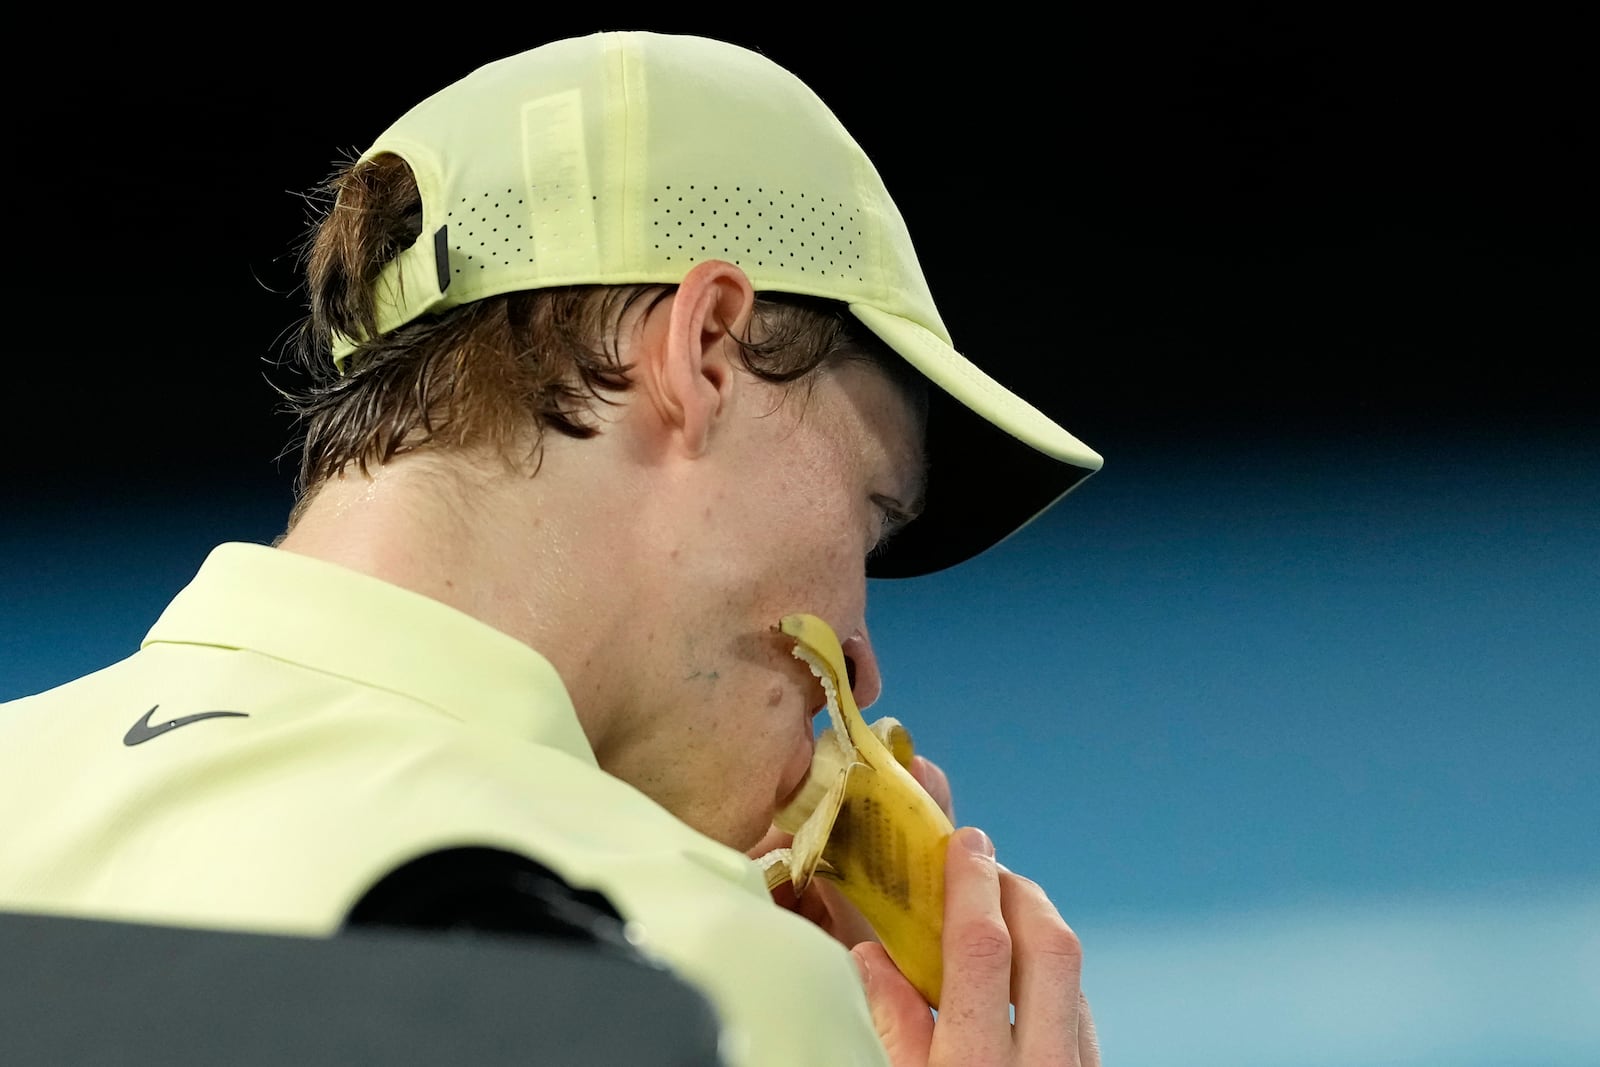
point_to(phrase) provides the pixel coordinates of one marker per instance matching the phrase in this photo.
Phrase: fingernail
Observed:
(866, 972)
(976, 841)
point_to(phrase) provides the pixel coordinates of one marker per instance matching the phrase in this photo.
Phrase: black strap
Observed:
(488, 890)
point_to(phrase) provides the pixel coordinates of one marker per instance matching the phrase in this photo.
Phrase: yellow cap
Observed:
(627, 157)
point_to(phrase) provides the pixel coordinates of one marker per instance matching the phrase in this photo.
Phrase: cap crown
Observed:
(627, 157)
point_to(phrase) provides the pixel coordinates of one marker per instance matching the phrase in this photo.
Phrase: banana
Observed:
(864, 823)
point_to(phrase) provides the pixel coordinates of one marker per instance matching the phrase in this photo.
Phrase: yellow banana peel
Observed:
(864, 823)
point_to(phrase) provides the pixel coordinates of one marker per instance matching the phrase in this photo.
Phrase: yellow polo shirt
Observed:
(370, 725)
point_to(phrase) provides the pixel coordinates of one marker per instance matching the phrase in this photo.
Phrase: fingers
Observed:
(826, 906)
(1006, 945)
(821, 903)
(775, 838)
(974, 1024)
(929, 775)
(1047, 962)
(1088, 1041)
(899, 1014)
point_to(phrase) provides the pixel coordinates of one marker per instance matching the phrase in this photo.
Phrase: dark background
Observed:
(1292, 708)
(1149, 223)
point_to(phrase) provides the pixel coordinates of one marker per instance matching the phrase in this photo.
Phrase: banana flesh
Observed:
(864, 823)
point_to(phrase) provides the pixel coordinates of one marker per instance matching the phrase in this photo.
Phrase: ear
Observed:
(687, 362)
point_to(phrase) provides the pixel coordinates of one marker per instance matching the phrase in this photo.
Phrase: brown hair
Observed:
(494, 371)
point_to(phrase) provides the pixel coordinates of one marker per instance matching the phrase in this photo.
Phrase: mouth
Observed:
(814, 702)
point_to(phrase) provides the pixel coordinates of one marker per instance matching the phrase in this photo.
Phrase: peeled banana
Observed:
(864, 823)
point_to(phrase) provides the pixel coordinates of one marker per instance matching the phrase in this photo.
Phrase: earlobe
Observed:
(690, 367)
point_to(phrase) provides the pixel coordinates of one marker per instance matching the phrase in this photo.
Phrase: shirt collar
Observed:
(331, 619)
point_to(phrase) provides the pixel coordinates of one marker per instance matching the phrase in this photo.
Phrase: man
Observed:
(619, 353)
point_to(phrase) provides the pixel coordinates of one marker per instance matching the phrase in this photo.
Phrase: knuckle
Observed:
(1059, 942)
(984, 940)
(1044, 931)
(1027, 886)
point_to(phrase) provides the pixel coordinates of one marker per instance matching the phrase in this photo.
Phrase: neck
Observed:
(544, 559)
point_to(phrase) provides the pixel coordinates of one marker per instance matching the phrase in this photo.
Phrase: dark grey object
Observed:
(93, 992)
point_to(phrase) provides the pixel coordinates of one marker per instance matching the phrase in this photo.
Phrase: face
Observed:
(799, 485)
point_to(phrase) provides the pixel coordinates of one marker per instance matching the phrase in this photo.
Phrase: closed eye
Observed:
(895, 517)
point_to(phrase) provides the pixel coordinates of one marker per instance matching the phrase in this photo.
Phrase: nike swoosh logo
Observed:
(142, 731)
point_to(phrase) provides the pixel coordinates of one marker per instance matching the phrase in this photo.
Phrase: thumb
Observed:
(902, 1018)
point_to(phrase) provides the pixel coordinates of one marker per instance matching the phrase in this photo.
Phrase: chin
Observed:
(741, 838)
(752, 838)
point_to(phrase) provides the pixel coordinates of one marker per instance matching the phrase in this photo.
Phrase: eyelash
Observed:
(891, 519)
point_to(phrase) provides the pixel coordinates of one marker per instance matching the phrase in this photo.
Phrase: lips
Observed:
(798, 769)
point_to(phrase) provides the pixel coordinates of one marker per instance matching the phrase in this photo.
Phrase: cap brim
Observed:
(995, 462)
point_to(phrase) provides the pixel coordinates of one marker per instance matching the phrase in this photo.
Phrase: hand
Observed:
(1004, 944)
(822, 902)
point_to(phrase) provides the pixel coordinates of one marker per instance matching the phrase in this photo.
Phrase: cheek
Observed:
(791, 542)
(815, 571)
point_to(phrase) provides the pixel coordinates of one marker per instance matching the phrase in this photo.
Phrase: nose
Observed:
(866, 684)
